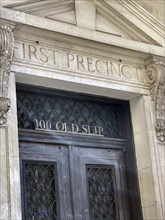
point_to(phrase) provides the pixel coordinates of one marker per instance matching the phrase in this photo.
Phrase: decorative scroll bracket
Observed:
(156, 67)
(6, 55)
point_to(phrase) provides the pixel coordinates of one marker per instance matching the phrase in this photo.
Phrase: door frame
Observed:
(64, 139)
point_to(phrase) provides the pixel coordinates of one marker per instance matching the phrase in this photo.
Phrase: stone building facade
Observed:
(106, 49)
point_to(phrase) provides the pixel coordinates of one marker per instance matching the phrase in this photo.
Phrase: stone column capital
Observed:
(6, 56)
(156, 68)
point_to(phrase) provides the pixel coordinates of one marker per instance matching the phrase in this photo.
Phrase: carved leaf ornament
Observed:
(6, 55)
(158, 96)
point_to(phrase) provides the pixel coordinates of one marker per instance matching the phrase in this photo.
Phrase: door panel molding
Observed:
(71, 139)
(48, 154)
(81, 157)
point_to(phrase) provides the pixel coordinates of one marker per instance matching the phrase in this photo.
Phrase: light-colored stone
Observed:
(156, 67)
(154, 146)
(150, 213)
(71, 30)
(10, 202)
(13, 149)
(142, 150)
(155, 7)
(6, 55)
(131, 34)
(147, 152)
(138, 115)
(85, 14)
(4, 193)
(147, 187)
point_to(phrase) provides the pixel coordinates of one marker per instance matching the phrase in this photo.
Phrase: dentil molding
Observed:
(156, 69)
(6, 55)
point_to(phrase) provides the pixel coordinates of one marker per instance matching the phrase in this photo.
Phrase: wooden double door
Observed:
(71, 182)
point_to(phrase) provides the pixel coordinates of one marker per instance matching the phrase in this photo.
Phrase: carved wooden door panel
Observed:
(98, 183)
(45, 182)
(72, 183)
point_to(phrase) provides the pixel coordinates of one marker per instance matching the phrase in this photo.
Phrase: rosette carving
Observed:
(158, 95)
(6, 55)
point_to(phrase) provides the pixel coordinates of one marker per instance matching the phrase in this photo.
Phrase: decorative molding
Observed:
(128, 17)
(6, 55)
(141, 18)
(156, 68)
(124, 26)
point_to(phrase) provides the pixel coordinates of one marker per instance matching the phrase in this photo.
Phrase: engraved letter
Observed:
(107, 66)
(54, 54)
(32, 51)
(70, 58)
(23, 48)
(80, 60)
(89, 62)
(45, 57)
(126, 71)
(115, 70)
(97, 65)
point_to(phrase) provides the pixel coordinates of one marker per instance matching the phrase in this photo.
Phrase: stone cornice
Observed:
(71, 30)
(156, 68)
(116, 13)
(144, 18)
(127, 16)
(6, 55)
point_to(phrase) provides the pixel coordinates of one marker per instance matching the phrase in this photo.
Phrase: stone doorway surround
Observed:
(92, 62)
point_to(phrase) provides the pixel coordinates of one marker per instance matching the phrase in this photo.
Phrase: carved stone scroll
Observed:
(158, 94)
(6, 55)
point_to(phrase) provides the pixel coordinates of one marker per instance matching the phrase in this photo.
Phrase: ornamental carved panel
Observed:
(102, 192)
(6, 55)
(40, 190)
(157, 69)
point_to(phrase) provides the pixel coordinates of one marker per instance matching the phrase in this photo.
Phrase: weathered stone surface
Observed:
(157, 68)
(84, 53)
(155, 7)
(6, 55)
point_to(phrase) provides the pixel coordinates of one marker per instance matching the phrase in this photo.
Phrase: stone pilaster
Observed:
(6, 55)
(156, 69)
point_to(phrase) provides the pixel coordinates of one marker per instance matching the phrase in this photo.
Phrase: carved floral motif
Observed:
(158, 95)
(6, 55)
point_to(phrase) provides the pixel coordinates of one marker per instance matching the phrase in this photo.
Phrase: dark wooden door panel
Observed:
(73, 183)
(102, 192)
(41, 199)
(45, 182)
(90, 200)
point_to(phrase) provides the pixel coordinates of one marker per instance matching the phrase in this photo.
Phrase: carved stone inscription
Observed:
(76, 62)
